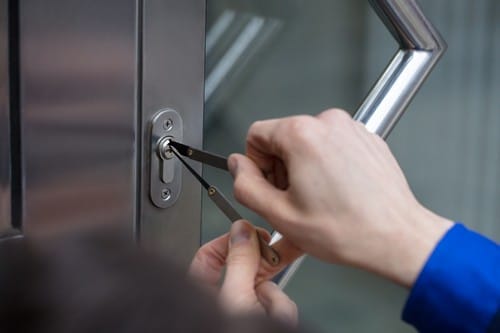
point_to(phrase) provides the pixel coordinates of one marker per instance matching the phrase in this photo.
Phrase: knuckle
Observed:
(240, 189)
(241, 256)
(298, 123)
(255, 127)
(300, 129)
(336, 117)
(239, 302)
(339, 114)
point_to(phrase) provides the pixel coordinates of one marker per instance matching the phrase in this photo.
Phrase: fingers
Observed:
(253, 190)
(264, 234)
(288, 253)
(209, 261)
(277, 139)
(276, 303)
(263, 143)
(242, 262)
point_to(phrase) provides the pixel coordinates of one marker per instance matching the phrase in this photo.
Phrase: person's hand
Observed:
(245, 287)
(335, 191)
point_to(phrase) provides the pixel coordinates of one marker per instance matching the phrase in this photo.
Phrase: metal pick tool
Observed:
(267, 252)
(199, 155)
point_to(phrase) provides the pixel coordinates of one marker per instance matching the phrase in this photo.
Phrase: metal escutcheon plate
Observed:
(166, 123)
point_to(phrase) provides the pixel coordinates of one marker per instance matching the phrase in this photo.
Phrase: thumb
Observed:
(242, 263)
(253, 190)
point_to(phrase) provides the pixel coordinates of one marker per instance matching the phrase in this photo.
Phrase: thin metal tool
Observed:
(202, 156)
(266, 251)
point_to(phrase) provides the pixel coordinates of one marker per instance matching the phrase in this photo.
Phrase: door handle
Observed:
(420, 48)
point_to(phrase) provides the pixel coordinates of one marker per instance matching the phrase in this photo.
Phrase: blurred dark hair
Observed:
(95, 282)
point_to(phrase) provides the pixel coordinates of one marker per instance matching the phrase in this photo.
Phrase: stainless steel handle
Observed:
(421, 46)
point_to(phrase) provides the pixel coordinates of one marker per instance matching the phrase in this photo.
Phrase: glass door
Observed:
(269, 59)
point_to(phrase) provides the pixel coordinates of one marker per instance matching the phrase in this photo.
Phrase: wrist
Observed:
(399, 250)
(418, 236)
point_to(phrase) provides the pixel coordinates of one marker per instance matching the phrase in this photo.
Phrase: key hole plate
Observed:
(165, 190)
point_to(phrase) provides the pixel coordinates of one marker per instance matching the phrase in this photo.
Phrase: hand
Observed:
(246, 287)
(335, 191)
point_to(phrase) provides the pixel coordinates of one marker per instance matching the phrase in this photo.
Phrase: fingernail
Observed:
(240, 232)
(232, 164)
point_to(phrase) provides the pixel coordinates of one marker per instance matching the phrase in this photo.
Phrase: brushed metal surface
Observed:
(165, 181)
(173, 40)
(78, 101)
(5, 184)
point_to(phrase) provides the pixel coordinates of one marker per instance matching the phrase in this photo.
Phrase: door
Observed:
(81, 85)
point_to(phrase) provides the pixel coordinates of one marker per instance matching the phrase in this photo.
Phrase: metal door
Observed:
(80, 85)
(81, 82)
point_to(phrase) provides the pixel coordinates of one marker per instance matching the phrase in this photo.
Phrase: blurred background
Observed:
(270, 58)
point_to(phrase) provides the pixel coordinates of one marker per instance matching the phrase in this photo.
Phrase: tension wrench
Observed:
(267, 252)
(199, 155)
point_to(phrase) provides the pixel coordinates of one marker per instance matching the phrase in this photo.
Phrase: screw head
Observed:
(166, 194)
(168, 124)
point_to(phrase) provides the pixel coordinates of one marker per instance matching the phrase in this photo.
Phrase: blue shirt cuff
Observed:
(458, 290)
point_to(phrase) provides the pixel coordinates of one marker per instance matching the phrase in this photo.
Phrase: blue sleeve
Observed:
(458, 290)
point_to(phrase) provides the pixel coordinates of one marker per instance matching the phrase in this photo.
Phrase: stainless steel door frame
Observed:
(173, 49)
(5, 165)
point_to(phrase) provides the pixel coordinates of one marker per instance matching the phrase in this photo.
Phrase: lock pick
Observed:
(204, 157)
(267, 252)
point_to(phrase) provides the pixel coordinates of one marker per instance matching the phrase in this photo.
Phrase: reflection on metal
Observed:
(165, 176)
(421, 46)
(78, 73)
(227, 52)
(5, 183)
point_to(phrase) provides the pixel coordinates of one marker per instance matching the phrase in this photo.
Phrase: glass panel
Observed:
(312, 55)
